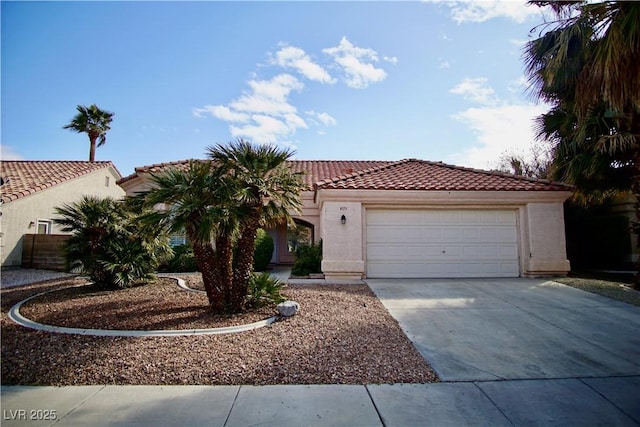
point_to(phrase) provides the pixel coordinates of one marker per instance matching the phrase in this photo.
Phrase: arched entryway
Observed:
(287, 238)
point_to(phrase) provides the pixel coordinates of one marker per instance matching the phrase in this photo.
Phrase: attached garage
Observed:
(419, 219)
(433, 243)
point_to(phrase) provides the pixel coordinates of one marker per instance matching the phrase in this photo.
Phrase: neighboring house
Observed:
(420, 219)
(32, 189)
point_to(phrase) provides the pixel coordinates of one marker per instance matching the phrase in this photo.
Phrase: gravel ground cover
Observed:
(162, 305)
(614, 290)
(342, 335)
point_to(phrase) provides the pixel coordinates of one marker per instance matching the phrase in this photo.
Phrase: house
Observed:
(31, 190)
(420, 219)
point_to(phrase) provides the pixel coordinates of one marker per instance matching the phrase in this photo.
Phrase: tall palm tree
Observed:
(587, 65)
(95, 123)
(266, 191)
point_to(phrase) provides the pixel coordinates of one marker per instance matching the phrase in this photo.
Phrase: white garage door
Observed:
(442, 243)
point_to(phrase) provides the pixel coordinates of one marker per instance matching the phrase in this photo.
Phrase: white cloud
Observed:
(323, 118)
(519, 85)
(262, 129)
(391, 59)
(268, 96)
(296, 58)
(445, 65)
(476, 90)
(7, 152)
(356, 62)
(265, 113)
(499, 127)
(221, 112)
(480, 11)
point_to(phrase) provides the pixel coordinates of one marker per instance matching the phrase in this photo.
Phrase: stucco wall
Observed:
(342, 250)
(545, 251)
(17, 215)
(540, 225)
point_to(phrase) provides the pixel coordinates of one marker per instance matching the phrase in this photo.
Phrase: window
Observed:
(106, 181)
(300, 235)
(43, 226)
(177, 240)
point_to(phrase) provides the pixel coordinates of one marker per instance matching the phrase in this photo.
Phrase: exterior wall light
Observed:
(343, 219)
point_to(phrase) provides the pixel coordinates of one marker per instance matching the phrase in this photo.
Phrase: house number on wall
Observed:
(343, 208)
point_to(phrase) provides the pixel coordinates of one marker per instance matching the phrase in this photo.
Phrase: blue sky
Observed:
(439, 81)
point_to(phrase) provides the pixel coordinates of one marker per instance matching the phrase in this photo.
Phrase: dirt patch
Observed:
(342, 335)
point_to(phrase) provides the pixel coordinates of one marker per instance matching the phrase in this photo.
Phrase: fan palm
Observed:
(106, 242)
(196, 201)
(266, 191)
(95, 123)
(588, 67)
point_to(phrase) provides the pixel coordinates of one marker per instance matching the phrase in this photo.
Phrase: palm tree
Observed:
(107, 244)
(196, 201)
(266, 191)
(95, 123)
(588, 67)
(220, 204)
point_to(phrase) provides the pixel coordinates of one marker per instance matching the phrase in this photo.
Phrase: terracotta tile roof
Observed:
(321, 170)
(412, 174)
(408, 174)
(26, 177)
(315, 170)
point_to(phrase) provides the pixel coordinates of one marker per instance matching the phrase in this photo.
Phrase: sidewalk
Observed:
(561, 402)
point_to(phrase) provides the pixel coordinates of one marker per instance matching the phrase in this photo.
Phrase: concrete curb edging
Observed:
(14, 314)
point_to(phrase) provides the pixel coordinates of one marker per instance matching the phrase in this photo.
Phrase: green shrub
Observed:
(263, 290)
(183, 260)
(308, 260)
(108, 244)
(263, 250)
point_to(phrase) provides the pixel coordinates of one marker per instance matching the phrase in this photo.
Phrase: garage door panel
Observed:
(442, 243)
(403, 235)
(442, 269)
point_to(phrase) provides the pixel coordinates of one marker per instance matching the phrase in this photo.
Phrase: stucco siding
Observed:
(539, 215)
(19, 217)
(544, 232)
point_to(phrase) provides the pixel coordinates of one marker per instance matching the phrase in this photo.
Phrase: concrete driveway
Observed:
(533, 351)
(497, 329)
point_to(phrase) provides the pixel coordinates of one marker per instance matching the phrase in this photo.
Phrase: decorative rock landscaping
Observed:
(343, 336)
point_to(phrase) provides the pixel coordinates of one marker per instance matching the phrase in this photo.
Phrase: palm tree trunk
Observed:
(224, 271)
(243, 261)
(217, 272)
(92, 148)
(206, 258)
